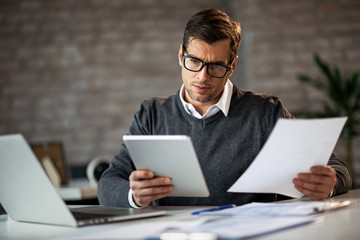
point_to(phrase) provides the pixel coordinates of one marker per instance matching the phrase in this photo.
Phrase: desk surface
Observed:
(341, 224)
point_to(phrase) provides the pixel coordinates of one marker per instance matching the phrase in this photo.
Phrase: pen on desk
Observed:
(214, 209)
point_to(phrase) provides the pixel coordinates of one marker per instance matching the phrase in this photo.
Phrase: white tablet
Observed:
(170, 156)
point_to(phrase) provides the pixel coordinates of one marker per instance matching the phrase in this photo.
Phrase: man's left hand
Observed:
(318, 184)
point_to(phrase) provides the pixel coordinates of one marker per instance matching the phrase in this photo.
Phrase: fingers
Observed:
(323, 170)
(140, 174)
(313, 191)
(318, 184)
(148, 183)
(146, 187)
(143, 198)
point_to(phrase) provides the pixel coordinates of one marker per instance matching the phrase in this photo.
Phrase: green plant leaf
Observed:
(324, 68)
(344, 95)
(313, 82)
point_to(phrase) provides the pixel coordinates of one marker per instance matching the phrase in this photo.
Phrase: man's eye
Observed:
(216, 66)
(195, 61)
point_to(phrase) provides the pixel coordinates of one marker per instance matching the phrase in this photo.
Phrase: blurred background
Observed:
(75, 72)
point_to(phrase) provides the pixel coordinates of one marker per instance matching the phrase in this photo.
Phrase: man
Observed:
(228, 127)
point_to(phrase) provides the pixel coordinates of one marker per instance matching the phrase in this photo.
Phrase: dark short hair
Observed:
(212, 25)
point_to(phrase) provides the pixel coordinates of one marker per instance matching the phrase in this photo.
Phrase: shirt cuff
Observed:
(131, 201)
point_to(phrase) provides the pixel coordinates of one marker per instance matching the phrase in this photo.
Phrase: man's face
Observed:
(200, 87)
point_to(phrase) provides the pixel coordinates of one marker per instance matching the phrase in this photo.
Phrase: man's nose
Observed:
(203, 74)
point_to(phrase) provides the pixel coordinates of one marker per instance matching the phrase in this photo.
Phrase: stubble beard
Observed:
(193, 96)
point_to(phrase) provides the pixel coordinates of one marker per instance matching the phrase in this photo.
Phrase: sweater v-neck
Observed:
(196, 121)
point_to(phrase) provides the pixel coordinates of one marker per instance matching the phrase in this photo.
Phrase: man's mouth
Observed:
(201, 89)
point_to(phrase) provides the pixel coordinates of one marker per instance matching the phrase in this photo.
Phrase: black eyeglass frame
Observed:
(203, 63)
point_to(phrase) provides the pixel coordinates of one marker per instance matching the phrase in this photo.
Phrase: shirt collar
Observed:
(223, 104)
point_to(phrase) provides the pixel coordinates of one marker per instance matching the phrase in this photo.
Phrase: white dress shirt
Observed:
(223, 104)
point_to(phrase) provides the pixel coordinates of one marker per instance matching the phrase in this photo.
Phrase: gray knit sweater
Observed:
(225, 147)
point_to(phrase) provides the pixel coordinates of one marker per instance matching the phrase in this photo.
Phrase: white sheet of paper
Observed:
(290, 209)
(245, 227)
(294, 146)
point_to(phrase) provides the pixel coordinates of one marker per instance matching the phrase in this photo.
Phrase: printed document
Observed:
(294, 146)
(291, 209)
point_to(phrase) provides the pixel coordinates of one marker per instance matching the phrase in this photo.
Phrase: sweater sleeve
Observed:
(113, 186)
(343, 176)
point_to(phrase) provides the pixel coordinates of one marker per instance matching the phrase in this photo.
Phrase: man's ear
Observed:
(235, 63)
(233, 66)
(180, 55)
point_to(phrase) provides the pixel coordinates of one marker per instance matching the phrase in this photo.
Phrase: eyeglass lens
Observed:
(213, 69)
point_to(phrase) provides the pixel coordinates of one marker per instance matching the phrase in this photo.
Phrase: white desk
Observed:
(341, 224)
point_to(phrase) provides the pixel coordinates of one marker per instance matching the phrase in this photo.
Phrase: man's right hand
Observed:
(147, 188)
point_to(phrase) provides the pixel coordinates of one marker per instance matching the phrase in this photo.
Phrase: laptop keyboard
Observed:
(85, 216)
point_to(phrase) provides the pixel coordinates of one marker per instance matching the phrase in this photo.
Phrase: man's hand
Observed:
(318, 184)
(147, 188)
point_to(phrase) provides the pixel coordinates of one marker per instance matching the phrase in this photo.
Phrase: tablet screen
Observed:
(170, 156)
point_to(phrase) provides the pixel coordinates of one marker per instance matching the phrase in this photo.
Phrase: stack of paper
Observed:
(298, 208)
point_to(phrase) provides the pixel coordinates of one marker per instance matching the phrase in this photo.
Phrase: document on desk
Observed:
(281, 209)
(294, 146)
(249, 227)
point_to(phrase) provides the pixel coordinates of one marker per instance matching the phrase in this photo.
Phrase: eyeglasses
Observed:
(216, 70)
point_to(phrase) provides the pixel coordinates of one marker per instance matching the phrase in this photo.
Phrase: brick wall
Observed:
(76, 71)
(288, 33)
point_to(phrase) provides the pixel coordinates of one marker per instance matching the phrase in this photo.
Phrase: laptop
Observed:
(27, 194)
